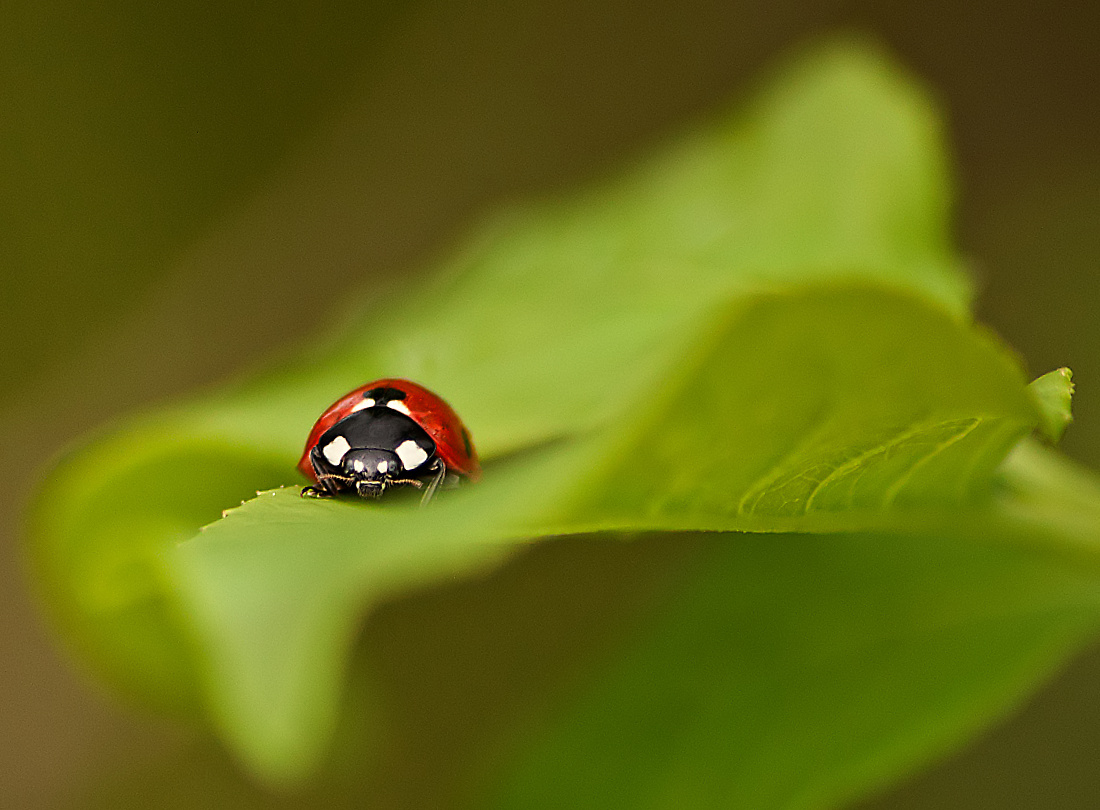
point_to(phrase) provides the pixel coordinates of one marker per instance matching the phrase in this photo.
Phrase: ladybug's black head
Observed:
(373, 449)
(371, 470)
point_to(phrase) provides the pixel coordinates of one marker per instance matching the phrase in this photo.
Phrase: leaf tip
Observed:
(1052, 395)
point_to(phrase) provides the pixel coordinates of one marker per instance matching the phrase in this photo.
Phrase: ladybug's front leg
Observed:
(440, 470)
(327, 484)
(325, 487)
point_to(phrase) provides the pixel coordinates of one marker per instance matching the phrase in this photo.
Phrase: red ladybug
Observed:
(384, 434)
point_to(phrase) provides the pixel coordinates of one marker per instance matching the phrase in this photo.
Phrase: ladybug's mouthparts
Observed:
(369, 489)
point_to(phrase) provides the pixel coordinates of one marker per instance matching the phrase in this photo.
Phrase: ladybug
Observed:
(388, 433)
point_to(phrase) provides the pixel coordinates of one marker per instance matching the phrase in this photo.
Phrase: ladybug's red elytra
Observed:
(387, 433)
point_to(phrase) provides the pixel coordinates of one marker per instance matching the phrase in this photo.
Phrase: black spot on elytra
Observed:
(467, 443)
(383, 395)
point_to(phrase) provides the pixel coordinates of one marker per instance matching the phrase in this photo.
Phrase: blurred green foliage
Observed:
(128, 129)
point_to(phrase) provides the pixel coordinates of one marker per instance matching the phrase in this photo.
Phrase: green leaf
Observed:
(898, 405)
(761, 329)
(554, 317)
(816, 403)
(787, 670)
(795, 671)
(1053, 396)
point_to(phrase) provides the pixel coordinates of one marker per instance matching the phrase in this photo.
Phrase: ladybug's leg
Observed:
(440, 470)
(328, 486)
(327, 483)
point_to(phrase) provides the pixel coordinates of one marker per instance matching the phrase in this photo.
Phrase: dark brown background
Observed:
(184, 193)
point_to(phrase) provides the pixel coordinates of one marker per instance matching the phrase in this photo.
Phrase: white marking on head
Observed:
(412, 455)
(383, 465)
(400, 407)
(358, 465)
(335, 450)
(366, 403)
